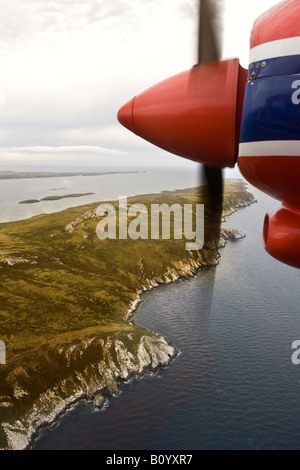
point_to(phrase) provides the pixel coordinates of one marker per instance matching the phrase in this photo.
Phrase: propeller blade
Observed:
(208, 37)
(213, 194)
(208, 50)
(211, 178)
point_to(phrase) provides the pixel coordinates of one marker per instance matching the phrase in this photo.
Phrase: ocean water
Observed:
(233, 385)
(105, 188)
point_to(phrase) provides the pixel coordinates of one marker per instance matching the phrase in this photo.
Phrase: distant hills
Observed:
(15, 175)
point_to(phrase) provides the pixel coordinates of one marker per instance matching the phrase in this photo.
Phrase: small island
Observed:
(30, 201)
(65, 304)
(55, 198)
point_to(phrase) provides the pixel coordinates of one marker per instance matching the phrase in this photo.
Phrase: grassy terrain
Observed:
(61, 286)
(69, 282)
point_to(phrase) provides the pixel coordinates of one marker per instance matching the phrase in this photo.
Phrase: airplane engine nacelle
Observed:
(269, 152)
(282, 235)
(195, 114)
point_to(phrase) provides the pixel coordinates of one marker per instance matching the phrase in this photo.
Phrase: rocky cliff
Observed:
(63, 303)
(85, 367)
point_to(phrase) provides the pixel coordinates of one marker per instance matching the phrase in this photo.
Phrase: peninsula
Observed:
(65, 300)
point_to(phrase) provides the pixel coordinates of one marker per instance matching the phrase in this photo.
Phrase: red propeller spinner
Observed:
(195, 114)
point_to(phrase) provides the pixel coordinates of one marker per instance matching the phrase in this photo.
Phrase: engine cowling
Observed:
(282, 235)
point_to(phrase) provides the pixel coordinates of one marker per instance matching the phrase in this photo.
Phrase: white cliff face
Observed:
(13, 261)
(154, 352)
(90, 366)
(118, 361)
(92, 214)
(125, 359)
(182, 269)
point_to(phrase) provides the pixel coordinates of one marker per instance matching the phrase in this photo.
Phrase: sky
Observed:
(67, 66)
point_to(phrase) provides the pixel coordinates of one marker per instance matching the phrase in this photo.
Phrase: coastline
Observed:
(21, 435)
(190, 271)
(70, 404)
(154, 353)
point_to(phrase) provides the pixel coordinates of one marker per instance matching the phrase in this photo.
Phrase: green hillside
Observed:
(61, 286)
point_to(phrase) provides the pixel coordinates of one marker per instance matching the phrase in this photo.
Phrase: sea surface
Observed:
(105, 188)
(233, 385)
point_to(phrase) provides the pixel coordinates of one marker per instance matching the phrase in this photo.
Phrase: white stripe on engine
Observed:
(270, 148)
(274, 49)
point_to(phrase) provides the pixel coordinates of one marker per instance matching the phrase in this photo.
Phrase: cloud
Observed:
(81, 158)
(68, 65)
(25, 20)
(70, 149)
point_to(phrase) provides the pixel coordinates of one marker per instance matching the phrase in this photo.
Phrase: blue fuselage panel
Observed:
(271, 109)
